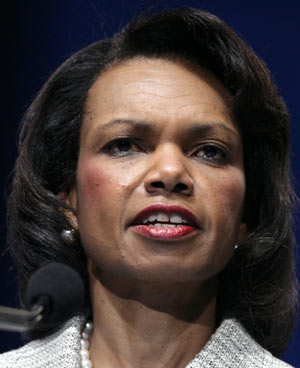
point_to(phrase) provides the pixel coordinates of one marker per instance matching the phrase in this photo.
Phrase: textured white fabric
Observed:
(229, 347)
(59, 350)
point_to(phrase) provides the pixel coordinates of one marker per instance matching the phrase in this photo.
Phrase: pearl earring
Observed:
(236, 247)
(68, 236)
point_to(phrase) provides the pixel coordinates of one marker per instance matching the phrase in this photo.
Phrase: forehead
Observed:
(151, 89)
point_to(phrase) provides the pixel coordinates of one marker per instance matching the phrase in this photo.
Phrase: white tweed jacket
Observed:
(229, 347)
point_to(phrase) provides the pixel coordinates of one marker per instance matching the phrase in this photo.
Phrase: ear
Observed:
(242, 232)
(70, 200)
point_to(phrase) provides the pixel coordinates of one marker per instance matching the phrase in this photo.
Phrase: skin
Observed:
(154, 301)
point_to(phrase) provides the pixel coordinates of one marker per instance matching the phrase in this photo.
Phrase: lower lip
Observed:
(165, 233)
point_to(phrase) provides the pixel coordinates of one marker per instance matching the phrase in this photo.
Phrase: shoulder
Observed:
(232, 347)
(59, 350)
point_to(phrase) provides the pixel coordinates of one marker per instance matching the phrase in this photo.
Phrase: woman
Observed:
(156, 163)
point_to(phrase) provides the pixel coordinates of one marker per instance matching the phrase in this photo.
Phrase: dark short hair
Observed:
(258, 287)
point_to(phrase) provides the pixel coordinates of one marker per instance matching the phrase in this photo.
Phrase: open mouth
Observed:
(161, 219)
(165, 222)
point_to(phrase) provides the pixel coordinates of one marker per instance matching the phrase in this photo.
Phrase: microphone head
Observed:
(64, 289)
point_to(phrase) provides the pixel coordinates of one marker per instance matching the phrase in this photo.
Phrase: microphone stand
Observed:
(12, 319)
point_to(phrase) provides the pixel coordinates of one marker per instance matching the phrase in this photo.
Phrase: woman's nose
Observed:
(168, 173)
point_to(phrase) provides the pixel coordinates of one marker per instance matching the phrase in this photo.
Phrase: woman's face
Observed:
(160, 181)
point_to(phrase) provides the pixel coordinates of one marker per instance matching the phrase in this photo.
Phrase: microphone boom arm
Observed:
(12, 319)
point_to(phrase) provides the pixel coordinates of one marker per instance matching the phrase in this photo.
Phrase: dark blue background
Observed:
(38, 35)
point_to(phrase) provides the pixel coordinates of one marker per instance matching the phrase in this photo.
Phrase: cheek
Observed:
(100, 183)
(228, 193)
(92, 183)
(233, 192)
(98, 191)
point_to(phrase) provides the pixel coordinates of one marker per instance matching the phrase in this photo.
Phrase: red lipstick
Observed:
(189, 226)
(164, 233)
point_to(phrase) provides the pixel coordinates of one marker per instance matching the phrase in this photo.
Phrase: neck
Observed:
(150, 325)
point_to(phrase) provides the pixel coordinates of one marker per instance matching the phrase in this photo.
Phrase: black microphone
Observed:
(54, 293)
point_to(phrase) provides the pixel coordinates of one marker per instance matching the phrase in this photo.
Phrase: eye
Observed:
(122, 147)
(212, 153)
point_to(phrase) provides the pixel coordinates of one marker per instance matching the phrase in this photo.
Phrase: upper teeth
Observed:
(163, 217)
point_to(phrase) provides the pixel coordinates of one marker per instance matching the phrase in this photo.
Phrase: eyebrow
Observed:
(141, 125)
(200, 128)
(146, 127)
